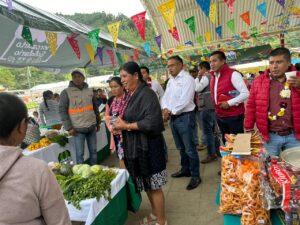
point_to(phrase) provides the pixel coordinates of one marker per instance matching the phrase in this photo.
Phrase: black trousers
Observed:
(231, 125)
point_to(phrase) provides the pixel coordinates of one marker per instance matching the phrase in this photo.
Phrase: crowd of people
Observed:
(210, 96)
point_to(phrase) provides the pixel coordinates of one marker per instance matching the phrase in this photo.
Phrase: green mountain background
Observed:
(12, 78)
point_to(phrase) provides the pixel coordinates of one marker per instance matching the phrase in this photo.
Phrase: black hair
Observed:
(297, 65)
(261, 72)
(12, 112)
(47, 95)
(55, 95)
(220, 54)
(117, 80)
(281, 51)
(204, 64)
(145, 68)
(176, 57)
(132, 68)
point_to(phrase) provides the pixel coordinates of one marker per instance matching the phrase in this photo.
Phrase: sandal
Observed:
(148, 220)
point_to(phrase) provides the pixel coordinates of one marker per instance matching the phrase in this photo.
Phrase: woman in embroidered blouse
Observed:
(114, 108)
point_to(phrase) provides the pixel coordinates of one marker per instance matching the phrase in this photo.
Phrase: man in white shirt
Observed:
(229, 92)
(153, 84)
(178, 106)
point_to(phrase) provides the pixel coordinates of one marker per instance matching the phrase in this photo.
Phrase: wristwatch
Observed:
(128, 127)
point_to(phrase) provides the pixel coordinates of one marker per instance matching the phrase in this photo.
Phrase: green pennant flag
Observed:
(26, 34)
(253, 32)
(94, 38)
(191, 23)
(205, 51)
(231, 25)
(120, 59)
(200, 40)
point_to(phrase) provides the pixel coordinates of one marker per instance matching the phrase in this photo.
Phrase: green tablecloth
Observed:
(236, 220)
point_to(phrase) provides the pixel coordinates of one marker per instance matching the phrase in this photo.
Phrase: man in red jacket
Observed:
(274, 104)
(229, 92)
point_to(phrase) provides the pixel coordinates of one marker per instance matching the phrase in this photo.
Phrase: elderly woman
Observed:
(29, 192)
(142, 127)
(115, 108)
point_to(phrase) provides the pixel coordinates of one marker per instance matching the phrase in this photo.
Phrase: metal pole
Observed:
(28, 75)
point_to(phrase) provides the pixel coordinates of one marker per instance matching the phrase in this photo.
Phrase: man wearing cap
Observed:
(274, 104)
(80, 116)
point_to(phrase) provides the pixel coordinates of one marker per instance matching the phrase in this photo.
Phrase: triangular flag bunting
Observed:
(90, 51)
(231, 25)
(94, 38)
(219, 31)
(26, 34)
(189, 43)
(158, 41)
(9, 5)
(175, 34)
(205, 6)
(200, 40)
(244, 35)
(229, 3)
(126, 58)
(52, 41)
(213, 13)
(119, 57)
(281, 2)
(191, 23)
(207, 36)
(100, 54)
(167, 10)
(170, 52)
(147, 48)
(113, 28)
(140, 23)
(253, 32)
(262, 8)
(205, 51)
(74, 44)
(246, 17)
(111, 56)
(136, 53)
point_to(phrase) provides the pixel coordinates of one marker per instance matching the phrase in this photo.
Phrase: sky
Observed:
(69, 7)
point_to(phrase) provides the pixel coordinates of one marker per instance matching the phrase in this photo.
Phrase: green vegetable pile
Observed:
(60, 139)
(77, 188)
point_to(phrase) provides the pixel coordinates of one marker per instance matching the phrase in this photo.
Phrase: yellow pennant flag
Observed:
(90, 51)
(113, 28)
(213, 13)
(167, 10)
(207, 36)
(126, 58)
(180, 47)
(52, 41)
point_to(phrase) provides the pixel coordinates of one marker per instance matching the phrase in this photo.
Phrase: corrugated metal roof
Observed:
(278, 19)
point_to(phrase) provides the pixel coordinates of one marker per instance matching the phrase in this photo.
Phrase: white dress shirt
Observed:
(201, 83)
(156, 87)
(179, 95)
(239, 84)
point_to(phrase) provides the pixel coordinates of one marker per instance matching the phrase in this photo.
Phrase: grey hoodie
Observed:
(29, 192)
(64, 107)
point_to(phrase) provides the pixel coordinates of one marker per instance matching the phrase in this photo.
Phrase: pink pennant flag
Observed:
(140, 23)
(136, 53)
(229, 3)
(175, 34)
(74, 44)
(111, 56)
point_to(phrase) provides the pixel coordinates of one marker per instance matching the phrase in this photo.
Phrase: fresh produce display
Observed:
(60, 139)
(83, 182)
(44, 142)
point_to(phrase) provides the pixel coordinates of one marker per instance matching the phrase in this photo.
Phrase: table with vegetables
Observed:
(95, 194)
(257, 189)
(58, 147)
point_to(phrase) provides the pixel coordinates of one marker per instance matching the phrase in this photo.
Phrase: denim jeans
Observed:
(200, 124)
(231, 125)
(209, 123)
(182, 129)
(278, 143)
(196, 136)
(91, 143)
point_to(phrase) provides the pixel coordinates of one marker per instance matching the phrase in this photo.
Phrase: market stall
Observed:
(255, 188)
(56, 153)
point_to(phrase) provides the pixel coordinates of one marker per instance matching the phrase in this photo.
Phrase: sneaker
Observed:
(209, 159)
(194, 182)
